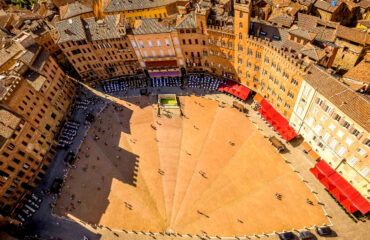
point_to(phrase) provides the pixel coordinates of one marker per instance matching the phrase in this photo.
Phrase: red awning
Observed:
(344, 186)
(361, 204)
(235, 89)
(328, 185)
(325, 168)
(348, 205)
(317, 173)
(338, 194)
(277, 121)
(166, 63)
(347, 195)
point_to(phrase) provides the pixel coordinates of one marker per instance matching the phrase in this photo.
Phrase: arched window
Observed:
(240, 36)
(240, 25)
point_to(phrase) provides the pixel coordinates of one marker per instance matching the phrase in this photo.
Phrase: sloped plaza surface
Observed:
(210, 171)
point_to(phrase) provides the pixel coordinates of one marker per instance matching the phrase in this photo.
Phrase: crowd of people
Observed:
(69, 132)
(208, 82)
(166, 82)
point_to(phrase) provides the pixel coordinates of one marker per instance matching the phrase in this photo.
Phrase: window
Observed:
(170, 52)
(258, 55)
(150, 43)
(159, 43)
(306, 91)
(176, 41)
(299, 111)
(153, 53)
(362, 152)
(326, 137)
(145, 54)
(240, 25)
(20, 174)
(323, 118)
(47, 127)
(294, 82)
(367, 142)
(341, 151)
(346, 124)
(26, 166)
(318, 129)
(355, 132)
(161, 52)
(167, 42)
(10, 168)
(310, 121)
(349, 142)
(240, 14)
(333, 143)
(287, 106)
(352, 161)
(340, 134)
(53, 115)
(133, 43)
(365, 171)
(332, 126)
(337, 117)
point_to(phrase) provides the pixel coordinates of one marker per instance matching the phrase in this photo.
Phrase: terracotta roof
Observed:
(8, 53)
(70, 30)
(8, 123)
(353, 34)
(365, 22)
(126, 5)
(364, 4)
(30, 53)
(360, 72)
(188, 22)
(102, 29)
(313, 52)
(150, 26)
(73, 9)
(327, 5)
(282, 19)
(353, 104)
(300, 32)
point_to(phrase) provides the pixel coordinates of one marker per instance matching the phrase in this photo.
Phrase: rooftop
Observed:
(189, 21)
(102, 29)
(71, 30)
(73, 9)
(327, 5)
(126, 5)
(8, 123)
(9, 52)
(150, 26)
(360, 72)
(354, 105)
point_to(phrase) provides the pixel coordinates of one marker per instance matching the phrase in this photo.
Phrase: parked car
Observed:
(55, 187)
(323, 231)
(277, 143)
(287, 236)
(306, 235)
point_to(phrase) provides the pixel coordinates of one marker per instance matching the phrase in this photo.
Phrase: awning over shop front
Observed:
(314, 155)
(235, 89)
(317, 173)
(306, 146)
(258, 98)
(164, 74)
(344, 192)
(157, 64)
(324, 168)
(277, 121)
